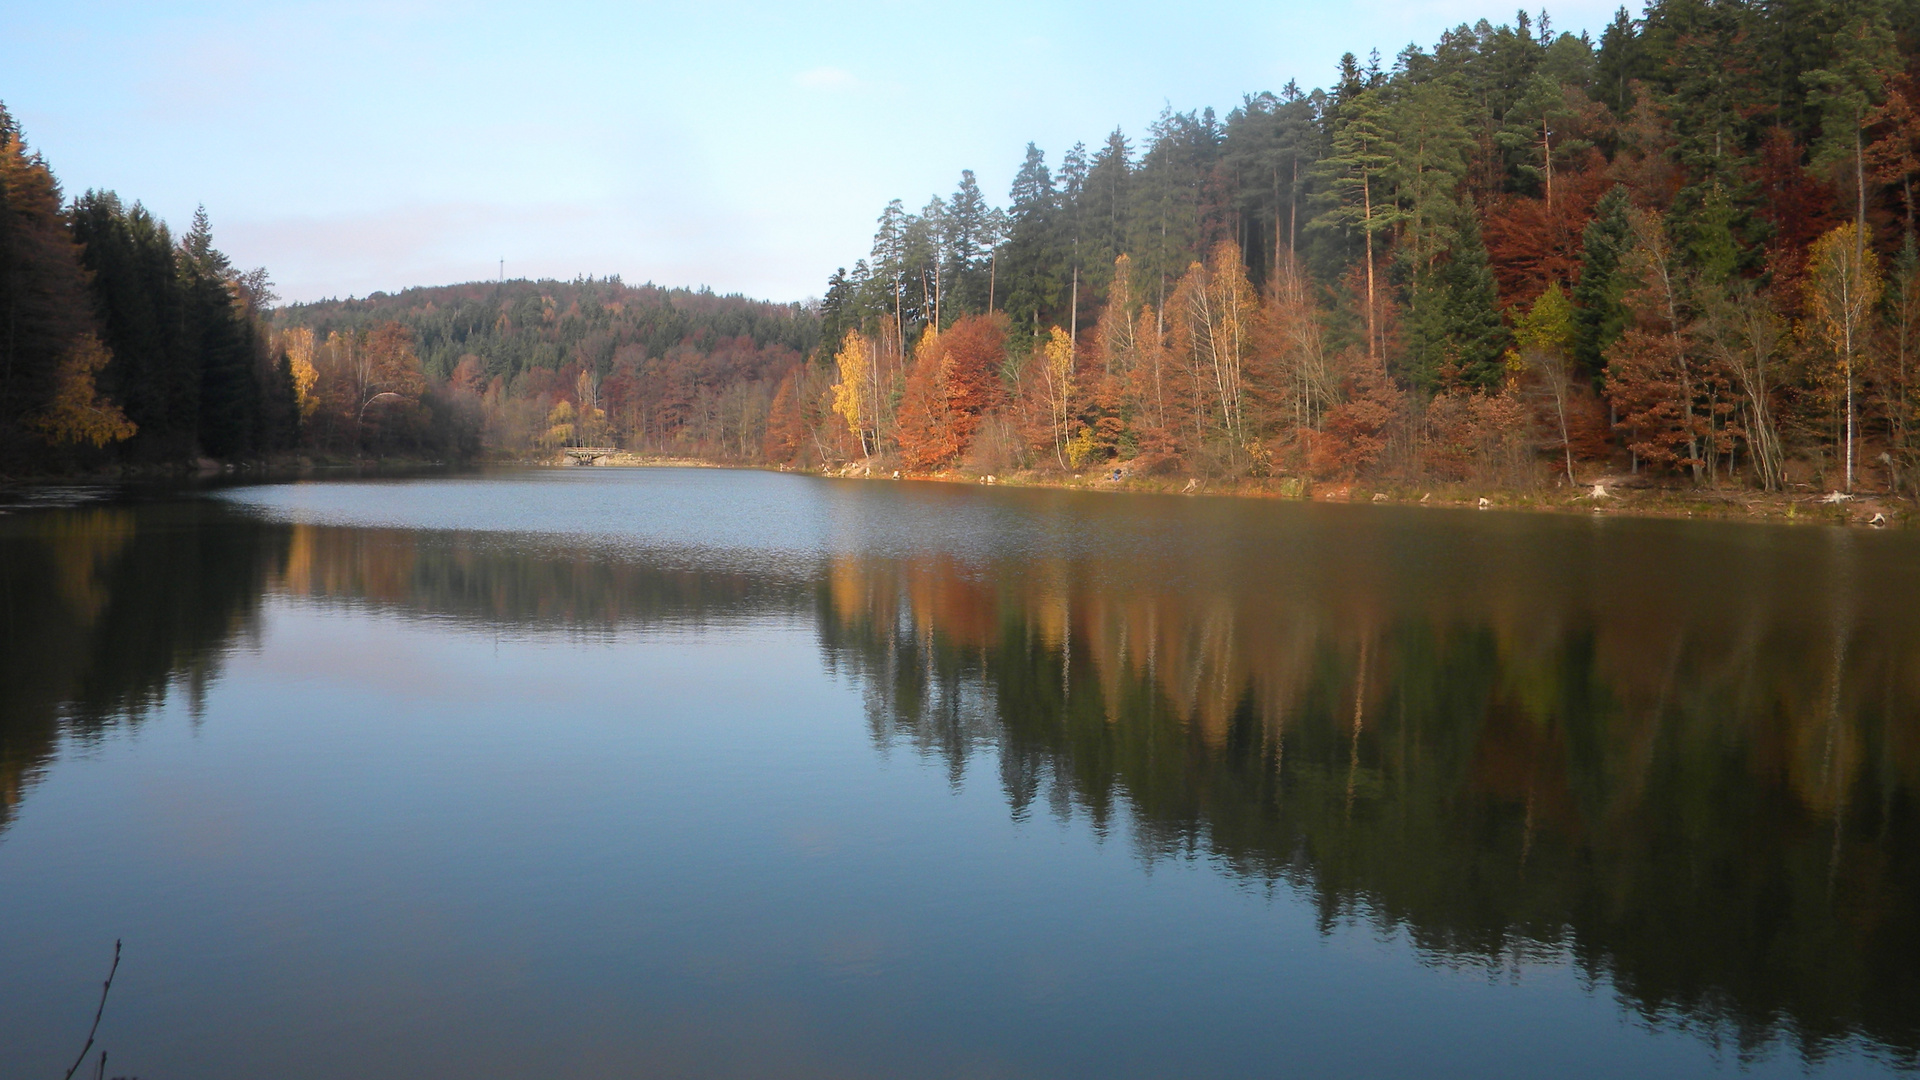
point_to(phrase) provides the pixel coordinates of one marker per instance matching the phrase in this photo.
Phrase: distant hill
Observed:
(514, 326)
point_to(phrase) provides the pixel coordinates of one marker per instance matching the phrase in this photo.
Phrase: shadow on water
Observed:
(1683, 759)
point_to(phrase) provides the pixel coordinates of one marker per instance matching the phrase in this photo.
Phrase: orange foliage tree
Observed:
(954, 382)
(1655, 377)
(1358, 428)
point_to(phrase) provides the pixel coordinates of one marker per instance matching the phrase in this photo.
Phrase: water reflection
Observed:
(104, 610)
(1684, 759)
(1696, 781)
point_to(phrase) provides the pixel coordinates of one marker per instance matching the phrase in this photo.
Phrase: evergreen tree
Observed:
(837, 312)
(1600, 316)
(1470, 310)
(137, 292)
(1357, 198)
(1031, 262)
(1845, 92)
(967, 245)
(1105, 207)
(44, 309)
(1619, 63)
(216, 330)
(1271, 145)
(1170, 193)
(887, 275)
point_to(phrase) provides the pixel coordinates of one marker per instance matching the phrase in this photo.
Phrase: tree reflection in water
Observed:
(1692, 777)
(105, 610)
(1684, 761)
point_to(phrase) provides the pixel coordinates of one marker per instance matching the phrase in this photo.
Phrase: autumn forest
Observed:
(1685, 250)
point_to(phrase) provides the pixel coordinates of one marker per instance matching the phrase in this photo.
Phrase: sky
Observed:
(749, 147)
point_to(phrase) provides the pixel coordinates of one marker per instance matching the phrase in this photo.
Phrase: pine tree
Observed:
(1356, 173)
(1846, 91)
(889, 267)
(1430, 144)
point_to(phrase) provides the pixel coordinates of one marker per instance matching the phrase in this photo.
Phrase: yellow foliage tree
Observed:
(1544, 350)
(1212, 312)
(855, 363)
(78, 412)
(560, 427)
(590, 426)
(1843, 285)
(1056, 371)
(1081, 448)
(299, 345)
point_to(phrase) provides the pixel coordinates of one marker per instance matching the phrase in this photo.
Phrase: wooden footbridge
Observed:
(587, 455)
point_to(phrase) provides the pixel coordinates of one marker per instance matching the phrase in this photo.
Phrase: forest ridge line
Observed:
(1685, 250)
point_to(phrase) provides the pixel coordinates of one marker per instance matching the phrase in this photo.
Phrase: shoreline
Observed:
(1607, 495)
(1619, 495)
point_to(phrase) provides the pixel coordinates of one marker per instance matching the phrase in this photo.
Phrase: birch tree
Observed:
(1843, 286)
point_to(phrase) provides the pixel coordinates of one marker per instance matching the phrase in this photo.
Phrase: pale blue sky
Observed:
(351, 146)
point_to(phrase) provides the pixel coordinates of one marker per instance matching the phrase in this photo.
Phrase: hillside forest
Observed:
(126, 346)
(1685, 249)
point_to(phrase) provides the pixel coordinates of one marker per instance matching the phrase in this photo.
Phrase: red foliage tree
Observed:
(1358, 428)
(1797, 207)
(1531, 246)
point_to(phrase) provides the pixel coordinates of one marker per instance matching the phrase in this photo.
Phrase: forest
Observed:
(1684, 250)
(126, 346)
(120, 342)
(530, 365)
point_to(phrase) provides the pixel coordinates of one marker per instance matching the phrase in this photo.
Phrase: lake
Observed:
(662, 772)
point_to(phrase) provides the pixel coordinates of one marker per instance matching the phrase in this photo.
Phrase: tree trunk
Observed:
(1366, 202)
(1546, 151)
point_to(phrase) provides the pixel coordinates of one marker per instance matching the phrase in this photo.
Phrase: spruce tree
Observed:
(1619, 62)
(1477, 338)
(1031, 263)
(137, 292)
(44, 309)
(1106, 206)
(230, 389)
(967, 246)
(1600, 316)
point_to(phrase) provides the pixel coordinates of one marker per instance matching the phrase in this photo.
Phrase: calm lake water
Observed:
(596, 772)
